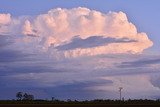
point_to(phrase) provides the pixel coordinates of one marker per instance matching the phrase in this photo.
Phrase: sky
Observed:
(80, 49)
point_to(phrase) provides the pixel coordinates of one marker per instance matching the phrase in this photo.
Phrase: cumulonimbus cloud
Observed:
(5, 19)
(60, 26)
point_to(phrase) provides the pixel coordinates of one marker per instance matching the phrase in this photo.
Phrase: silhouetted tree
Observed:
(19, 95)
(28, 97)
(25, 96)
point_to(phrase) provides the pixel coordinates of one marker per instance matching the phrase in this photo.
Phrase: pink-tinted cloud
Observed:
(28, 30)
(5, 19)
(59, 26)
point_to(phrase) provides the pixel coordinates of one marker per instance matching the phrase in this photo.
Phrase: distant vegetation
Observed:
(25, 98)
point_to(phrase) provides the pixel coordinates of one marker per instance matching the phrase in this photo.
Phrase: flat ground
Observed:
(79, 105)
(93, 103)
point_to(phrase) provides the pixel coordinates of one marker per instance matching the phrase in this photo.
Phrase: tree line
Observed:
(26, 97)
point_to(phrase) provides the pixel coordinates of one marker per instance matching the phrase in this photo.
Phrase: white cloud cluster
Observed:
(59, 26)
(5, 19)
(28, 30)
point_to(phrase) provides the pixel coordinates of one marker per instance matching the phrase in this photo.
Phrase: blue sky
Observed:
(43, 53)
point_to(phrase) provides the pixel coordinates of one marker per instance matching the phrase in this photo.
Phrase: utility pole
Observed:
(120, 92)
(53, 98)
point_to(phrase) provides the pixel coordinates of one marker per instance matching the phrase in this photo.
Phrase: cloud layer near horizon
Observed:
(60, 27)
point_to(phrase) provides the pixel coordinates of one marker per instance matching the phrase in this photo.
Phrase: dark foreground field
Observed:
(93, 103)
(78, 105)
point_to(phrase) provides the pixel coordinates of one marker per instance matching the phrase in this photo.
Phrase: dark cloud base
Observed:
(91, 42)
